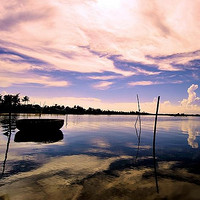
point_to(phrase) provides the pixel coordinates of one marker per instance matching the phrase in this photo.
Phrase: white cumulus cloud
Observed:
(192, 97)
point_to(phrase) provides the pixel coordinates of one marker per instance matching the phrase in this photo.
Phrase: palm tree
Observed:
(7, 99)
(15, 99)
(11, 99)
(25, 99)
(10, 102)
(1, 99)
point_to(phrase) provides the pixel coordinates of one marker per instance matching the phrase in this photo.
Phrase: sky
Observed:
(102, 53)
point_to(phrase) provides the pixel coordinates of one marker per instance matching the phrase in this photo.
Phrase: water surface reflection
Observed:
(96, 160)
(193, 130)
(40, 136)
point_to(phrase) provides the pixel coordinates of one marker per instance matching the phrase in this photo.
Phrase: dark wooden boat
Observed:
(39, 124)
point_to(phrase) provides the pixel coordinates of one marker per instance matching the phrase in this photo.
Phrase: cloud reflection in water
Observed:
(96, 159)
(191, 128)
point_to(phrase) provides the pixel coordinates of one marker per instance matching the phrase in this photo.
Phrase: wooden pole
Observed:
(154, 144)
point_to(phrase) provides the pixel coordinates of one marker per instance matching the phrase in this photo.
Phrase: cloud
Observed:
(177, 62)
(192, 97)
(7, 80)
(143, 83)
(103, 77)
(103, 85)
(15, 71)
(137, 31)
(49, 41)
(158, 31)
(108, 42)
(145, 72)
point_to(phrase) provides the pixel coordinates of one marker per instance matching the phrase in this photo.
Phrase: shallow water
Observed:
(99, 157)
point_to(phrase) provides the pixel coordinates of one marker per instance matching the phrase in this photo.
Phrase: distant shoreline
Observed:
(15, 104)
(120, 113)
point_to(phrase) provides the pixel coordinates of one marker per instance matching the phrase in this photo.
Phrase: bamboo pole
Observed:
(154, 144)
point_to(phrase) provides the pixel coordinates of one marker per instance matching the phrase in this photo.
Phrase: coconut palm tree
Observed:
(11, 99)
(25, 99)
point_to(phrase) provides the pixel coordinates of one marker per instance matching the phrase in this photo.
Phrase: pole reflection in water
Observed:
(66, 120)
(154, 144)
(138, 134)
(8, 132)
(8, 122)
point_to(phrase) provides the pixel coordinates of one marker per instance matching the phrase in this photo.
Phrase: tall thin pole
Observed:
(139, 116)
(138, 103)
(154, 144)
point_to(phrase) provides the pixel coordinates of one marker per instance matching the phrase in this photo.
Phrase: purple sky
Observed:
(101, 53)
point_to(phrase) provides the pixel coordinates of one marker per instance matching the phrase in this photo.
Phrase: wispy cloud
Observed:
(145, 72)
(11, 79)
(104, 77)
(142, 83)
(55, 29)
(103, 85)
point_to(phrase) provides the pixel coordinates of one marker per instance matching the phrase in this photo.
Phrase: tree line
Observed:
(16, 104)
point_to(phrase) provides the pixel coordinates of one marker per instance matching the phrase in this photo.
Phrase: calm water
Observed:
(99, 157)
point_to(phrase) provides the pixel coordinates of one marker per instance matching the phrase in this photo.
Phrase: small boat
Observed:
(39, 124)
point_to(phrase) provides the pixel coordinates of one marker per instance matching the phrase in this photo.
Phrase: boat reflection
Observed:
(39, 136)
